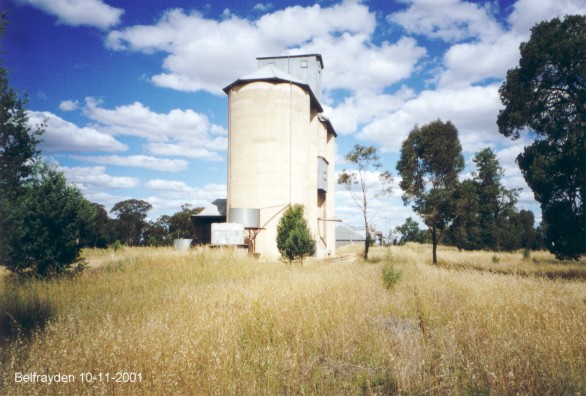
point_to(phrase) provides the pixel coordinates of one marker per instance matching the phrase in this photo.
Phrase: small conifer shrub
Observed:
(294, 239)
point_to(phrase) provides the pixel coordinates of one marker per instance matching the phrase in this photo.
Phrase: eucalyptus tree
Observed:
(496, 203)
(546, 95)
(431, 159)
(369, 179)
(131, 220)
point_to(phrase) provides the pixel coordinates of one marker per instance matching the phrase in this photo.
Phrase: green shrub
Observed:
(43, 227)
(391, 275)
(495, 259)
(294, 239)
(116, 245)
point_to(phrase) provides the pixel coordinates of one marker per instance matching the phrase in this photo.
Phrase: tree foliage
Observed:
(18, 141)
(99, 234)
(546, 94)
(131, 215)
(157, 232)
(46, 224)
(431, 159)
(465, 230)
(131, 227)
(180, 224)
(163, 230)
(410, 232)
(526, 235)
(43, 221)
(496, 203)
(294, 239)
(367, 163)
(487, 217)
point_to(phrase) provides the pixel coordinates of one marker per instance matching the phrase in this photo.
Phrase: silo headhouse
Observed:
(281, 151)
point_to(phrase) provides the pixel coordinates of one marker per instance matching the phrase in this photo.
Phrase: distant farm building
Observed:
(215, 212)
(348, 236)
(281, 151)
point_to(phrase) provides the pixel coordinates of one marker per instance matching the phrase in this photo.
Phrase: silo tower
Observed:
(281, 151)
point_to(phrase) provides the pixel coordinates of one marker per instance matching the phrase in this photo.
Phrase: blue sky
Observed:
(132, 91)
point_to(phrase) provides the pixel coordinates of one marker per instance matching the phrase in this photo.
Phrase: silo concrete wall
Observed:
(323, 206)
(269, 154)
(330, 151)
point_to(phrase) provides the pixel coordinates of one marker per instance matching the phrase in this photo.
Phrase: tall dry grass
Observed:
(215, 322)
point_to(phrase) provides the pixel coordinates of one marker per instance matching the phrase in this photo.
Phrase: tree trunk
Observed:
(434, 242)
(497, 238)
(364, 211)
(366, 247)
(366, 241)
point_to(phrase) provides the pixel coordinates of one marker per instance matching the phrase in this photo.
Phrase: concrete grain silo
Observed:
(281, 151)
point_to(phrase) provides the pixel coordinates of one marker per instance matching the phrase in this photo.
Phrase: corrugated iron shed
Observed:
(346, 234)
(214, 209)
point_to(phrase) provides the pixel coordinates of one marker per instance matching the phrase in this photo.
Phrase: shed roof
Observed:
(346, 234)
(328, 124)
(317, 56)
(271, 73)
(215, 209)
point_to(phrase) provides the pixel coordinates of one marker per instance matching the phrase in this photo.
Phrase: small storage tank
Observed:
(227, 234)
(182, 244)
(249, 218)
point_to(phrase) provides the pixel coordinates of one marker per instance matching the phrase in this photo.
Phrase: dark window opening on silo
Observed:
(322, 174)
(321, 199)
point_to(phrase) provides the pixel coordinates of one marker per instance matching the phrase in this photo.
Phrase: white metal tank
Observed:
(227, 234)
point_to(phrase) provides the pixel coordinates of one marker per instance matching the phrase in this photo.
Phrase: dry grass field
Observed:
(217, 322)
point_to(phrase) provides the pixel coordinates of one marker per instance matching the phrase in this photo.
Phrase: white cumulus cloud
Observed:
(171, 194)
(472, 110)
(184, 133)
(94, 13)
(96, 177)
(462, 68)
(527, 13)
(449, 20)
(61, 135)
(205, 54)
(138, 161)
(69, 105)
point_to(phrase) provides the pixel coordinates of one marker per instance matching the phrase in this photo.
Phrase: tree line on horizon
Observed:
(485, 216)
(129, 225)
(546, 96)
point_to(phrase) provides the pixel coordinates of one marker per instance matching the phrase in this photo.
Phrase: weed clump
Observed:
(391, 275)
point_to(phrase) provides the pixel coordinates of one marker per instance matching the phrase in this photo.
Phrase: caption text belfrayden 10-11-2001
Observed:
(84, 377)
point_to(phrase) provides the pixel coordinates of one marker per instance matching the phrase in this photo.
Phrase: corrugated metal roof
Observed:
(328, 123)
(317, 56)
(272, 73)
(216, 208)
(346, 234)
(306, 68)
